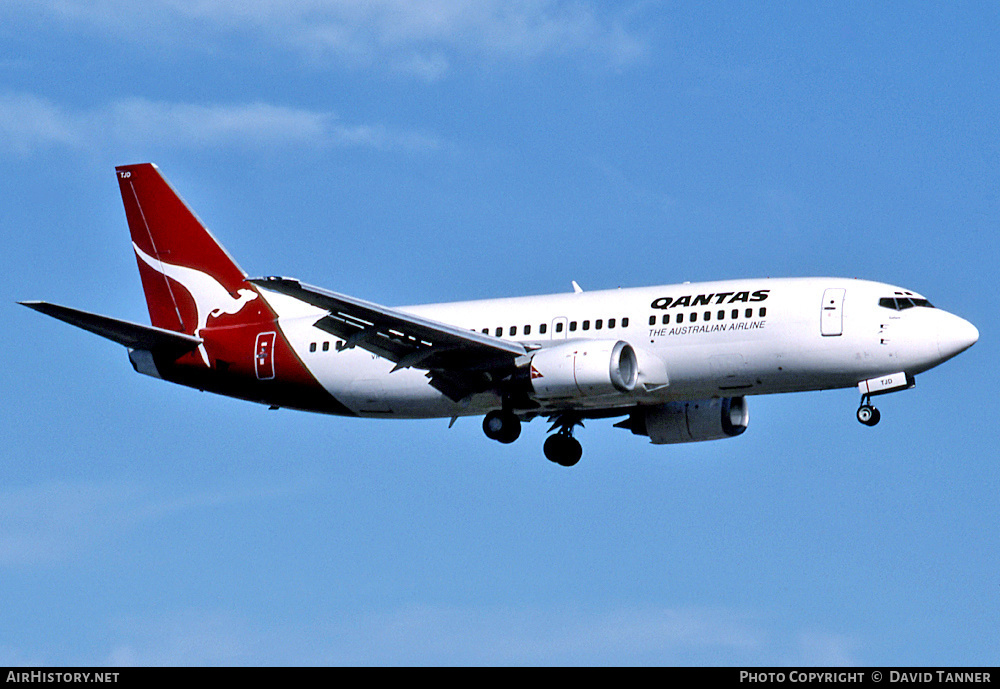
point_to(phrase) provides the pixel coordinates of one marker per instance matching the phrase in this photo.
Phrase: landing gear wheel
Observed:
(868, 415)
(563, 449)
(502, 426)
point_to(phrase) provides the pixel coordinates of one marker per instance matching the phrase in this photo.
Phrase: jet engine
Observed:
(688, 422)
(587, 368)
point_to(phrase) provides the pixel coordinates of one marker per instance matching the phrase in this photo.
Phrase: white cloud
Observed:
(48, 522)
(518, 636)
(448, 635)
(53, 522)
(416, 36)
(11, 657)
(28, 122)
(434, 634)
(192, 637)
(822, 649)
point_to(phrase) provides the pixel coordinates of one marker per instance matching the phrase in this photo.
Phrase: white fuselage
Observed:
(692, 340)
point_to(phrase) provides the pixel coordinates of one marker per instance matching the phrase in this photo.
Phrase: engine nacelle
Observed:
(584, 368)
(688, 422)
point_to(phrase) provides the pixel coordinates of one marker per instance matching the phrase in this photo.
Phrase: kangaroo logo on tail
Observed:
(210, 297)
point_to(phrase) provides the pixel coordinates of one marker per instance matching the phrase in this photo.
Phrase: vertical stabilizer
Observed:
(187, 276)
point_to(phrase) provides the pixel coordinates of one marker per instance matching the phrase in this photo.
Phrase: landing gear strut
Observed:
(867, 414)
(502, 426)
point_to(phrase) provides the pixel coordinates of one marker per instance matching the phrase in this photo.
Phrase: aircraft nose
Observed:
(955, 335)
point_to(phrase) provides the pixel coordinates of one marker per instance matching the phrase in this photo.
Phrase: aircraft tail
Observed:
(186, 274)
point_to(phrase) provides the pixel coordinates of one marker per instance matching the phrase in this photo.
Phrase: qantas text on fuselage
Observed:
(676, 363)
(709, 299)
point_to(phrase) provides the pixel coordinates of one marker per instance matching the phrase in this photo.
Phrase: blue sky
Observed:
(411, 152)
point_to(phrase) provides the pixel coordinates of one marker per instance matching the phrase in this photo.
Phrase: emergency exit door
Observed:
(832, 313)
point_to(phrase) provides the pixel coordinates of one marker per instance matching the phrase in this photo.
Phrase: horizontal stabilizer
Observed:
(132, 335)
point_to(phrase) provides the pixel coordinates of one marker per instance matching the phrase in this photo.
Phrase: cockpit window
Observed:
(903, 303)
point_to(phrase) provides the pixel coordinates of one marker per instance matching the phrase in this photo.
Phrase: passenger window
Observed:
(680, 318)
(559, 327)
(586, 325)
(611, 323)
(542, 328)
(486, 331)
(312, 346)
(527, 330)
(693, 317)
(598, 323)
(572, 326)
(326, 346)
(763, 312)
(513, 330)
(625, 322)
(749, 313)
(666, 319)
(736, 314)
(708, 315)
(721, 315)
(652, 320)
(499, 332)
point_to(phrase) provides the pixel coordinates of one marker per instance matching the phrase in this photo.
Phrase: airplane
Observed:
(675, 362)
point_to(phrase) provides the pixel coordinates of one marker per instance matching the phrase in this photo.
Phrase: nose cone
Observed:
(955, 335)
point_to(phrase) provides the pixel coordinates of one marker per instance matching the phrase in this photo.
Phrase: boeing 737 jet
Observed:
(675, 362)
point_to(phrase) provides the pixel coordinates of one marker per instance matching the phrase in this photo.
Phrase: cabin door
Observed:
(832, 314)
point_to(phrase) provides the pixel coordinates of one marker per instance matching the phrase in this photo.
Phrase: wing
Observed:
(459, 362)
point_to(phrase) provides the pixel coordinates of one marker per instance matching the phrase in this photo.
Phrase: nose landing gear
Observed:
(867, 414)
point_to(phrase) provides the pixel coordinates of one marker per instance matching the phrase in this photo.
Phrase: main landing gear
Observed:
(502, 426)
(561, 447)
(867, 414)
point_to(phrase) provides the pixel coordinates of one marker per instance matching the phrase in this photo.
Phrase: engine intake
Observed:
(688, 422)
(584, 368)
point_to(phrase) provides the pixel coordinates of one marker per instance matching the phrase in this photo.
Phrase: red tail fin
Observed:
(187, 276)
